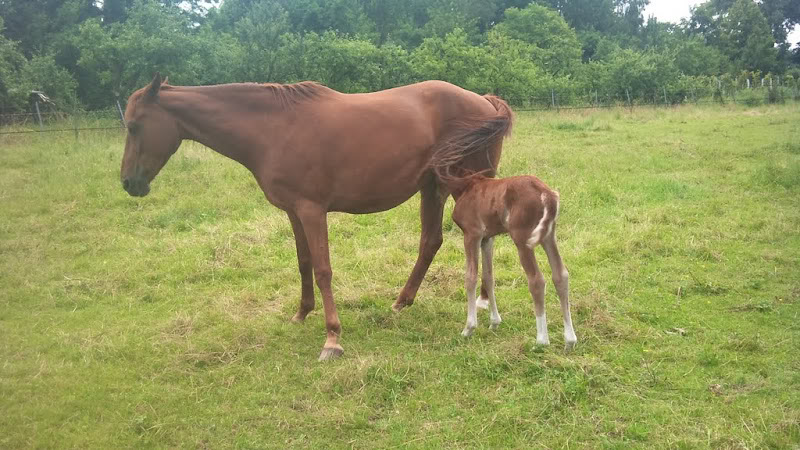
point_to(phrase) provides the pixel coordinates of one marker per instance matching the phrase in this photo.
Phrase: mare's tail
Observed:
(473, 136)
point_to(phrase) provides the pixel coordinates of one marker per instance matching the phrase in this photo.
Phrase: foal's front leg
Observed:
(471, 249)
(487, 283)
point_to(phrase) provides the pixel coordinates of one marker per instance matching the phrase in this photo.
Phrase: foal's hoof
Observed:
(482, 303)
(467, 332)
(569, 345)
(329, 353)
(297, 318)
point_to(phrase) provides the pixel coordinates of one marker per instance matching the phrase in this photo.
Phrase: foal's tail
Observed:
(472, 136)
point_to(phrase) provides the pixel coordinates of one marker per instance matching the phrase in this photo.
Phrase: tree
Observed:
(630, 15)
(746, 38)
(117, 59)
(259, 33)
(553, 44)
(585, 15)
(452, 58)
(33, 23)
(13, 86)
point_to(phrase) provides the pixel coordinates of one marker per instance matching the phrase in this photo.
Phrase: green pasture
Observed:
(164, 321)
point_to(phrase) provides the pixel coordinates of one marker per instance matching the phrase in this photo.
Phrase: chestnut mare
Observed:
(313, 150)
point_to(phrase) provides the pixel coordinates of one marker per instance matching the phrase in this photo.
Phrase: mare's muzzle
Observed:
(136, 186)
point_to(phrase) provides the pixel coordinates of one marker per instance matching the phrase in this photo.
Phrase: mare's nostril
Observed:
(126, 184)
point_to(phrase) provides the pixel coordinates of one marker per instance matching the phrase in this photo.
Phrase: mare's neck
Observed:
(229, 119)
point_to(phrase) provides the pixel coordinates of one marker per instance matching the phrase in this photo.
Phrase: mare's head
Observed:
(153, 136)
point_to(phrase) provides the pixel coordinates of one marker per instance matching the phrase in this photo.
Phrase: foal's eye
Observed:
(133, 128)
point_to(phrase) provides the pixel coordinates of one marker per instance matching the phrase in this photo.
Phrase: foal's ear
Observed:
(155, 85)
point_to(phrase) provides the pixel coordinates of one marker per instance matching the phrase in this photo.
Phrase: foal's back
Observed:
(516, 205)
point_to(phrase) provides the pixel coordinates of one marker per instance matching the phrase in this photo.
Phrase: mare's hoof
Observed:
(482, 303)
(297, 319)
(397, 306)
(329, 353)
(569, 345)
(493, 326)
(467, 332)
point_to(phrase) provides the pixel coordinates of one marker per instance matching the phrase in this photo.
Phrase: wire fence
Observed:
(662, 97)
(111, 118)
(61, 121)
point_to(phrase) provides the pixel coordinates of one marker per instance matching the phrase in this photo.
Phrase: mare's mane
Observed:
(292, 94)
(287, 94)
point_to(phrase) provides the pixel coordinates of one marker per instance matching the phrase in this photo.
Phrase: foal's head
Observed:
(153, 136)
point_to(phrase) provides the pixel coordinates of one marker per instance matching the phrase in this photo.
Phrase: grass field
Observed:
(163, 321)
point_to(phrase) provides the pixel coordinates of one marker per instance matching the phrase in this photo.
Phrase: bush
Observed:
(751, 97)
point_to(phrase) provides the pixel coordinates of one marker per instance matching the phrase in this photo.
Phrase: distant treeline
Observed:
(85, 54)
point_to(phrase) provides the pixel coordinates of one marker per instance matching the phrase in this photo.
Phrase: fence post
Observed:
(75, 124)
(38, 114)
(553, 97)
(121, 116)
(628, 94)
(665, 96)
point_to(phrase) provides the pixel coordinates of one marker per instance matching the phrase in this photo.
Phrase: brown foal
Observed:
(313, 150)
(526, 209)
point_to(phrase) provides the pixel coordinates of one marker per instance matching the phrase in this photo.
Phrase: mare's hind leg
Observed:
(535, 285)
(561, 280)
(306, 274)
(487, 282)
(315, 225)
(431, 211)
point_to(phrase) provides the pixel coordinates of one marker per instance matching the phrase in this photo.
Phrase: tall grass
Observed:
(163, 321)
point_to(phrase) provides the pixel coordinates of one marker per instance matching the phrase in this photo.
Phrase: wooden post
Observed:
(665, 96)
(121, 116)
(628, 94)
(38, 114)
(553, 97)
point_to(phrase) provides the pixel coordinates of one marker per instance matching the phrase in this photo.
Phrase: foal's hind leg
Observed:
(561, 280)
(535, 285)
(306, 274)
(431, 211)
(487, 283)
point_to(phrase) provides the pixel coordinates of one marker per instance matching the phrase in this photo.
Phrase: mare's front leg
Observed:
(471, 250)
(306, 274)
(431, 211)
(315, 224)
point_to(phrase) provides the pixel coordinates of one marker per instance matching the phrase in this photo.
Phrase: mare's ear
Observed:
(155, 85)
